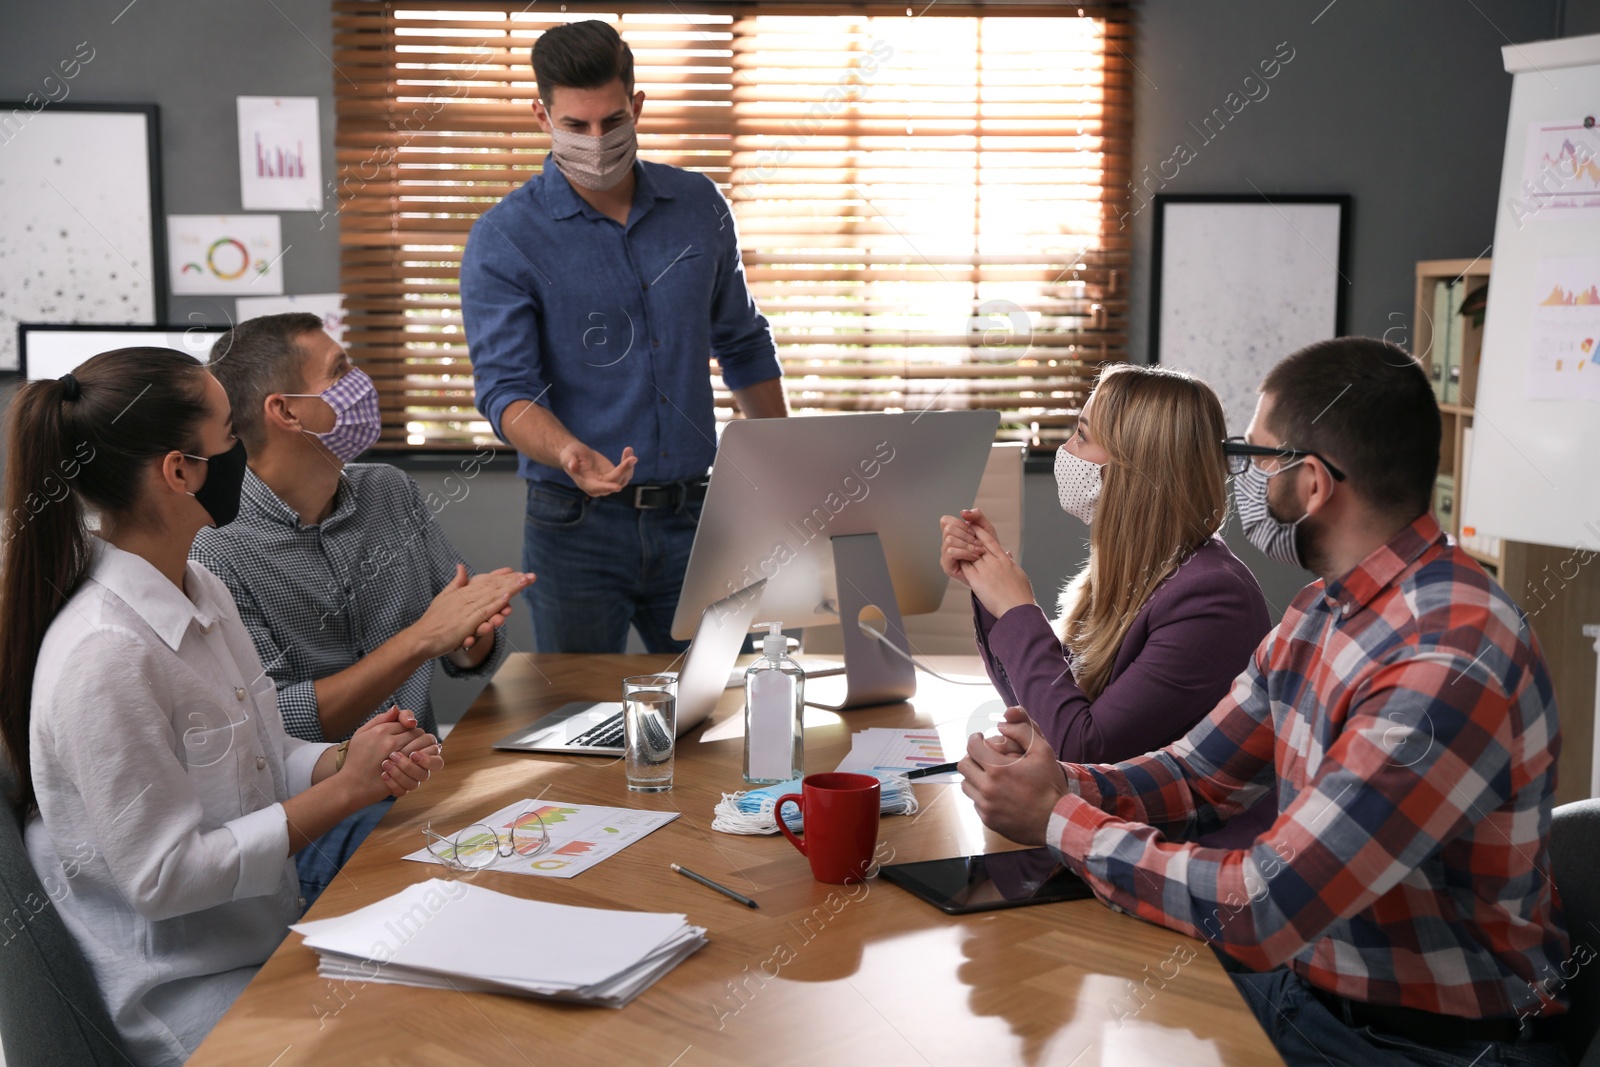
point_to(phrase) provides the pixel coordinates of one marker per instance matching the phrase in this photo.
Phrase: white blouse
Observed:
(160, 764)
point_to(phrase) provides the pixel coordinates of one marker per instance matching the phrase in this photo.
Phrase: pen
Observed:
(924, 772)
(709, 884)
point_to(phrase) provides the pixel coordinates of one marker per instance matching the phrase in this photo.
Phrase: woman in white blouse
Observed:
(145, 734)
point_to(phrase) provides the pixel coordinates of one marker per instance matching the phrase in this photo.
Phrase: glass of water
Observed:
(649, 721)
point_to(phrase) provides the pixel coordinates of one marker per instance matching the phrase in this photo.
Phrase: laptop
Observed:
(594, 728)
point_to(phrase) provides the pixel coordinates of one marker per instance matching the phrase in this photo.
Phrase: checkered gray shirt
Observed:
(318, 598)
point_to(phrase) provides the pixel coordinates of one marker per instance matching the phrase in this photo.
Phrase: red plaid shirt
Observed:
(1408, 720)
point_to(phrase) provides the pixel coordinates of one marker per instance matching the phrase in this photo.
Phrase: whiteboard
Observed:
(1241, 281)
(1535, 465)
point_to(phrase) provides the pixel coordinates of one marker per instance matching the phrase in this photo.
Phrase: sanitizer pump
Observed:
(774, 714)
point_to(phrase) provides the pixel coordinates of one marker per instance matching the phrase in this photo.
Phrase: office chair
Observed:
(51, 1010)
(1575, 864)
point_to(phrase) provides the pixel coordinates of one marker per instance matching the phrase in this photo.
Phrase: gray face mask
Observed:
(1276, 539)
(596, 163)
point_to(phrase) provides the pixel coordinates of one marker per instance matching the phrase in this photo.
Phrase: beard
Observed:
(1309, 536)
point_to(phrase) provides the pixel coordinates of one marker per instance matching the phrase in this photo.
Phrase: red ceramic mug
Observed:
(840, 813)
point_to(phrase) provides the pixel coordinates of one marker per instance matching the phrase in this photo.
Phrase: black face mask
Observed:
(224, 482)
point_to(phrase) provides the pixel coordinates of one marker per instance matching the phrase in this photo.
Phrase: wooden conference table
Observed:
(873, 975)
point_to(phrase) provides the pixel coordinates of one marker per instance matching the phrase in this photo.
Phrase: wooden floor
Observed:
(819, 975)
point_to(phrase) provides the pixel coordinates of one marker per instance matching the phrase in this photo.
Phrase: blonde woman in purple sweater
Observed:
(1162, 617)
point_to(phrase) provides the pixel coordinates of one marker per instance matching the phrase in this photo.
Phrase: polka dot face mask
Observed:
(595, 162)
(1077, 485)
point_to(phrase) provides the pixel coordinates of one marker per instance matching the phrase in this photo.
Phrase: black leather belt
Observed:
(670, 495)
(1429, 1028)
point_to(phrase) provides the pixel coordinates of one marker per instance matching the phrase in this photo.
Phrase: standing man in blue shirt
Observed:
(593, 296)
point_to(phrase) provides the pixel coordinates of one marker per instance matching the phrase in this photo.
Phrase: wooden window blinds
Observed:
(928, 202)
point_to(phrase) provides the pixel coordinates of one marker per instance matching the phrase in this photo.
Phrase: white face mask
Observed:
(1077, 485)
(596, 163)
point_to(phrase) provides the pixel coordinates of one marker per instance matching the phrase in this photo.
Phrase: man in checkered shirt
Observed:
(341, 573)
(1400, 909)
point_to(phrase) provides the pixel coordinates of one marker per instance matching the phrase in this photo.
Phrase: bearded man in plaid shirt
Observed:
(1400, 909)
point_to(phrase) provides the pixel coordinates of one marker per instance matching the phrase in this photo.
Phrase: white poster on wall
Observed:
(225, 255)
(1241, 283)
(77, 230)
(330, 306)
(1564, 330)
(280, 154)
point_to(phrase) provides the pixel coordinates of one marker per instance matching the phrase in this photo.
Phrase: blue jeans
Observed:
(319, 862)
(602, 564)
(1306, 1031)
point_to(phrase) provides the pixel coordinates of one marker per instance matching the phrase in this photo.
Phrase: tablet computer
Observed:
(964, 884)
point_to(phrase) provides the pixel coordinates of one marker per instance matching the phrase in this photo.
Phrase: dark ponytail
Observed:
(84, 438)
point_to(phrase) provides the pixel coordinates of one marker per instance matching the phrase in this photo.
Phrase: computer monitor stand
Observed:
(873, 673)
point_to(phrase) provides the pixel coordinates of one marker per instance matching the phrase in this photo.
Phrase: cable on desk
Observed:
(903, 654)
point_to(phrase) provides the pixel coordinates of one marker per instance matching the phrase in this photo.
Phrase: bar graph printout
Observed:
(280, 153)
(889, 751)
(581, 835)
(1564, 336)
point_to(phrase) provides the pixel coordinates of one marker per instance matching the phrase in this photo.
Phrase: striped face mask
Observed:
(357, 422)
(1275, 538)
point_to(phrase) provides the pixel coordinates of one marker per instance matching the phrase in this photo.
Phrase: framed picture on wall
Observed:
(81, 239)
(1240, 281)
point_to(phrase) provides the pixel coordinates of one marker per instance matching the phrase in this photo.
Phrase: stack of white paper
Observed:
(453, 935)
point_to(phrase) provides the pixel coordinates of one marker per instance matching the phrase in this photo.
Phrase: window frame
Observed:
(367, 40)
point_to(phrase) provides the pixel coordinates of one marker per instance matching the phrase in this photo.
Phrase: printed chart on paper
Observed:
(581, 835)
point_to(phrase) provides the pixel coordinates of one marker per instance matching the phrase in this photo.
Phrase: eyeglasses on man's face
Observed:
(1241, 453)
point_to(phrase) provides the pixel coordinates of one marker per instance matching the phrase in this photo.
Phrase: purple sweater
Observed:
(1187, 644)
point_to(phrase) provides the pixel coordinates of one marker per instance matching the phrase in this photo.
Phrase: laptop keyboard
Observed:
(604, 734)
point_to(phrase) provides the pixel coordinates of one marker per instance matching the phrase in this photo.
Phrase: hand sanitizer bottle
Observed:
(774, 714)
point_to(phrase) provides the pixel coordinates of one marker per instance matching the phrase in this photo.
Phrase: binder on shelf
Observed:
(1444, 502)
(1457, 343)
(1441, 338)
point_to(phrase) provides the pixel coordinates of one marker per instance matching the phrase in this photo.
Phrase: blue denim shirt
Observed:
(611, 327)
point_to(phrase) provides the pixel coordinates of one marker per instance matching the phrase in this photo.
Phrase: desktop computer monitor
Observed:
(50, 350)
(837, 513)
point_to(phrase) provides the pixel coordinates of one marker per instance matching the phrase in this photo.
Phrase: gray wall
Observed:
(1580, 17)
(192, 58)
(1402, 105)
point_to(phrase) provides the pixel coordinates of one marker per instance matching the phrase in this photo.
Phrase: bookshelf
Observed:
(1558, 595)
(1448, 344)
